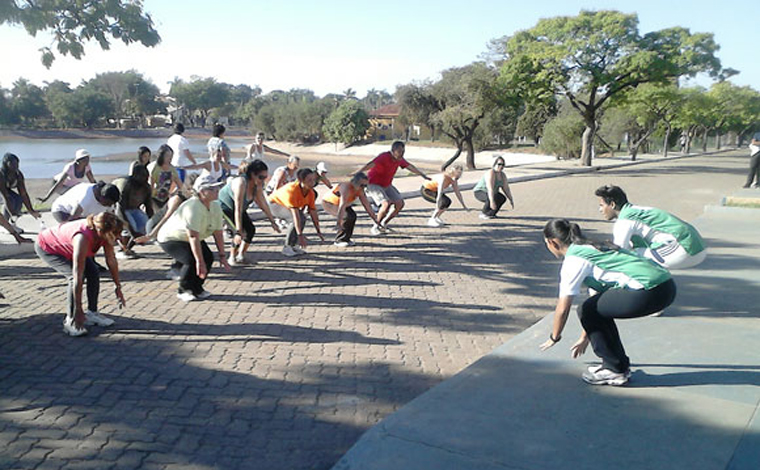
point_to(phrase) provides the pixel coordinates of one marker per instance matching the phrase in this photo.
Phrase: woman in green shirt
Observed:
(621, 285)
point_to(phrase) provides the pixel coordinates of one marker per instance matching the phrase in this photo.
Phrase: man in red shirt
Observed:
(382, 169)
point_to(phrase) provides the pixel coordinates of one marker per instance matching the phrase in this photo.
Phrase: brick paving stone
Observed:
(293, 359)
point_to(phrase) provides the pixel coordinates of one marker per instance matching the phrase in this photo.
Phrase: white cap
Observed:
(321, 168)
(81, 153)
(206, 182)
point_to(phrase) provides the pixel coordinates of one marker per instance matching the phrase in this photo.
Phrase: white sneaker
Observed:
(344, 244)
(71, 329)
(440, 221)
(187, 296)
(203, 295)
(288, 251)
(432, 222)
(299, 250)
(232, 261)
(658, 314)
(485, 216)
(376, 230)
(597, 375)
(95, 318)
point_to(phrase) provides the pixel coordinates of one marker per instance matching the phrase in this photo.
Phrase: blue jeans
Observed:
(137, 219)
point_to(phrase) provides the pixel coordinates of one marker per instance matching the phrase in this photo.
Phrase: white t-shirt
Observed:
(179, 144)
(80, 195)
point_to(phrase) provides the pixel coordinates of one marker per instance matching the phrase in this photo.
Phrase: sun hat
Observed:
(81, 154)
(206, 182)
(321, 168)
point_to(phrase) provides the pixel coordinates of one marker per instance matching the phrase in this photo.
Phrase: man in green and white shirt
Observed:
(651, 232)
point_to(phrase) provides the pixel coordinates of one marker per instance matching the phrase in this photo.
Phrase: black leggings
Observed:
(432, 196)
(249, 230)
(598, 312)
(754, 170)
(482, 196)
(188, 275)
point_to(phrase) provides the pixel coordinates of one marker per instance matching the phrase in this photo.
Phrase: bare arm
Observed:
(275, 151)
(366, 167)
(56, 186)
(7, 226)
(506, 190)
(368, 207)
(416, 171)
(189, 156)
(219, 240)
(113, 268)
(561, 312)
(455, 185)
(193, 238)
(25, 196)
(90, 177)
(261, 201)
(315, 220)
(198, 166)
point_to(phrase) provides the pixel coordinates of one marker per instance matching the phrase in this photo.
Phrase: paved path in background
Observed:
(293, 359)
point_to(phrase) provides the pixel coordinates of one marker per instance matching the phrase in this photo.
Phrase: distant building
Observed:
(385, 125)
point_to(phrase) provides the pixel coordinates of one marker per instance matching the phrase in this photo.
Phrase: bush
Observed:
(562, 135)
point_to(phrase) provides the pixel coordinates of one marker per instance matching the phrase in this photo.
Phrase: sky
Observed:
(330, 46)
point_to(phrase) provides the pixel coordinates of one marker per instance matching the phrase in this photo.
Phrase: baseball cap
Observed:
(321, 168)
(206, 182)
(81, 153)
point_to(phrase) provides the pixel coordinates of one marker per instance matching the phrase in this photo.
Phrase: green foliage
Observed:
(347, 124)
(376, 99)
(132, 95)
(561, 134)
(594, 56)
(535, 116)
(83, 107)
(27, 103)
(200, 96)
(75, 22)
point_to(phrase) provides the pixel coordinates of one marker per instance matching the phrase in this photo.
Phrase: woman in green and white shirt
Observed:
(622, 285)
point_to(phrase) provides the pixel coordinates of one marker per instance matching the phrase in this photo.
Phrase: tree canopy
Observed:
(594, 56)
(73, 23)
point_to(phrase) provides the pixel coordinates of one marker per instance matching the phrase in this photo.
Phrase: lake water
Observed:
(45, 158)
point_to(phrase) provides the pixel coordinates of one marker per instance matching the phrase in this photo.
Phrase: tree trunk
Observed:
(717, 140)
(668, 130)
(704, 139)
(452, 159)
(588, 141)
(470, 153)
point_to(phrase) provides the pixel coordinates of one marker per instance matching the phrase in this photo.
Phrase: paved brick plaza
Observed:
(293, 358)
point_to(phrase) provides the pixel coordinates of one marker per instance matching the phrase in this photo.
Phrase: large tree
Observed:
(132, 95)
(348, 123)
(200, 95)
(594, 56)
(27, 102)
(72, 23)
(456, 104)
(652, 105)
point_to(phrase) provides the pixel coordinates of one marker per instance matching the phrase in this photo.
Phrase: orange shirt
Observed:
(431, 185)
(334, 196)
(291, 196)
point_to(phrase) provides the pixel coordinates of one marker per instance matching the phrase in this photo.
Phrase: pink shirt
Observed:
(385, 169)
(59, 240)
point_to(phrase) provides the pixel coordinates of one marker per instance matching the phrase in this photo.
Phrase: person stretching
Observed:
(622, 285)
(652, 233)
(382, 169)
(432, 191)
(338, 203)
(487, 190)
(289, 202)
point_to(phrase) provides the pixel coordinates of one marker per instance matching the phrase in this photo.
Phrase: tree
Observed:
(200, 95)
(376, 99)
(347, 124)
(535, 116)
(83, 107)
(456, 104)
(131, 94)
(27, 102)
(652, 105)
(695, 114)
(75, 22)
(594, 56)
(561, 133)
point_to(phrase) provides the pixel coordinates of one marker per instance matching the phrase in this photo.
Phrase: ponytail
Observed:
(570, 233)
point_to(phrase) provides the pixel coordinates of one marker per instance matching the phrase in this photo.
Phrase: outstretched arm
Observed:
(416, 171)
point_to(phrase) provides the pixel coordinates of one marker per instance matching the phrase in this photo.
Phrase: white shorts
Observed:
(381, 194)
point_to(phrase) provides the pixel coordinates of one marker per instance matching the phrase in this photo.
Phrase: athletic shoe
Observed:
(186, 296)
(288, 251)
(377, 230)
(232, 261)
(95, 318)
(299, 250)
(126, 255)
(344, 244)
(485, 216)
(440, 221)
(658, 314)
(597, 375)
(433, 222)
(173, 274)
(203, 295)
(387, 229)
(71, 329)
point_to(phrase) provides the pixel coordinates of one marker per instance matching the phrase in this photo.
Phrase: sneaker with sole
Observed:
(288, 251)
(376, 230)
(432, 222)
(342, 244)
(71, 329)
(440, 221)
(203, 295)
(597, 375)
(186, 296)
(299, 250)
(95, 318)
(485, 216)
